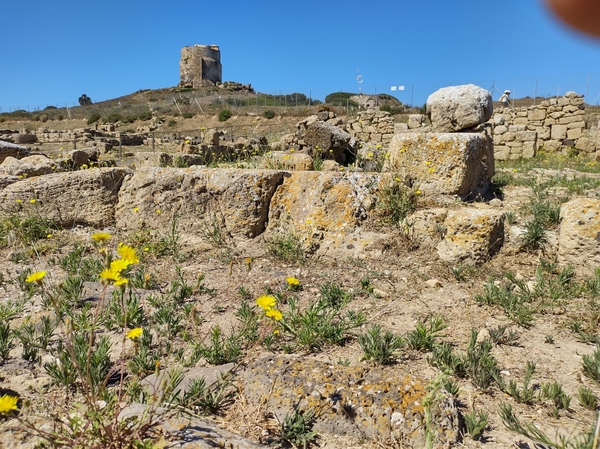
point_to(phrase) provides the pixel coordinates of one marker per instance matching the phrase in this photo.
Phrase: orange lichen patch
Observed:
(347, 400)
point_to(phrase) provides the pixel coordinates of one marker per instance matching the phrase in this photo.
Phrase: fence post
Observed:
(153, 142)
(120, 148)
(74, 143)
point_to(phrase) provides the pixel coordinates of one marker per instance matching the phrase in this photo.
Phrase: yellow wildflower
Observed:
(109, 274)
(136, 209)
(266, 302)
(36, 277)
(418, 192)
(19, 201)
(100, 236)
(378, 146)
(121, 281)
(157, 211)
(8, 403)
(49, 236)
(428, 163)
(118, 265)
(274, 313)
(275, 332)
(136, 333)
(431, 170)
(292, 282)
(32, 200)
(127, 253)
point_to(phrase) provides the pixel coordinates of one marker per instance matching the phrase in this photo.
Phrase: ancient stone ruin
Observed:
(200, 65)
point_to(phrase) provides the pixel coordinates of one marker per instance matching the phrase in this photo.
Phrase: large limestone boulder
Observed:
(35, 165)
(331, 140)
(472, 235)
(443, 163)
(579, 235)
(238, 199)
(360, 401)
(13, 150)
(456, 108)
(84, 197)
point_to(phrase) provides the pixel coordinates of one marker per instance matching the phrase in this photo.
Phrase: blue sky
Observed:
(54, 51)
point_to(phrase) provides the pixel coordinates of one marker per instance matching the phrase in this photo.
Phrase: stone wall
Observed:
(200, 64)
(372, 126)
(551, 125)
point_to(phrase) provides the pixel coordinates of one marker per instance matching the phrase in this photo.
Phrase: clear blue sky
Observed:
(54, 51)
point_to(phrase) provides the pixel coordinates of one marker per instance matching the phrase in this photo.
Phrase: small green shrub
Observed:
(187, 114)
(269, 114)
(93, 118)
(113, 117)
(296, 429)
(224, 115)
(379, 347)
(475, 423)
(397, 201)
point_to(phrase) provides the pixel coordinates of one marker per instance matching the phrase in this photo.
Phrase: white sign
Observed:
(393, 88)
(400, 87)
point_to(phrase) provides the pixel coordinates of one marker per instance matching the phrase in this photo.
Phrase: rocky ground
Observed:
(406, 285)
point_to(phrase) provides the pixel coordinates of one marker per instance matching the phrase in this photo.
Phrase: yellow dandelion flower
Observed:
(292, 282)
(370, 155)
(146, 249)
(36, 277)
(266, 301)
(19, 201)
(20, 176)
(157, 211)
(274, 313)
(32, 200)
(135, 333)
(109, 274)
(121, 281)
(8, 403)
(428, 163)
(100, 236)
(292, 150)
(418, 192)
(398, 180)
(515, 170)
(127, 253)
(187, 142)
(378, 146)
(49, 236)
(387, 154)
(136, 209)
(119, 265)
(275, 332)
(431, 170)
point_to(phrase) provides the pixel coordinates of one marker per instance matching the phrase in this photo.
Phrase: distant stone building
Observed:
(200, 65)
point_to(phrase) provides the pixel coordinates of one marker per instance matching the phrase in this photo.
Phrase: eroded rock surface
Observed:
(361, 401)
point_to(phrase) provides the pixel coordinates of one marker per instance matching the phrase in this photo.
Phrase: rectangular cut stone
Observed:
(501, 152)
(536, 114)
(515, 128)
(558, 132)
(443, 163)
(574, 133)
(529, 149)
(569, 119)
(526, 135)
(520, 121)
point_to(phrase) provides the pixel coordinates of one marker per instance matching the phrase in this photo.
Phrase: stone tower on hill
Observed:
(200, 65)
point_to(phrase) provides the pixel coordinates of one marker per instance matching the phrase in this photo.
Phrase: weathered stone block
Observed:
(536, 114)
(237, 199)
(558, 132)
(472, 235)
(83, 197)
(443, 163)
(361, 401)
(579, 235)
